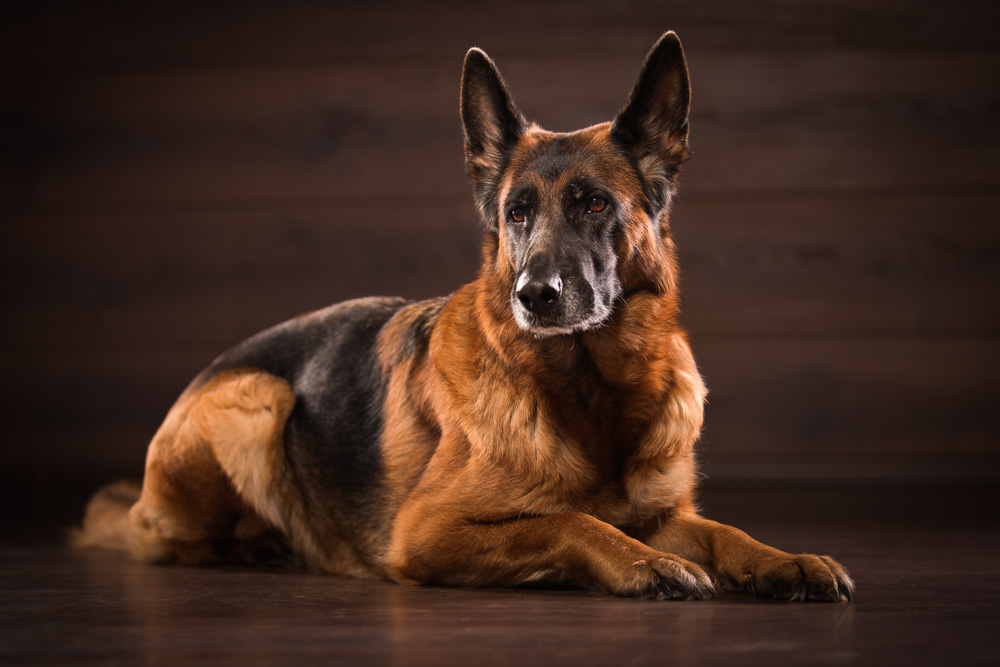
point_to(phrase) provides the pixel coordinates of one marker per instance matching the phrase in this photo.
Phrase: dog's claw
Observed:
(804, 578)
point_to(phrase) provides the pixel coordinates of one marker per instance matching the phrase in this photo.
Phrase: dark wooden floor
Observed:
(926, 560)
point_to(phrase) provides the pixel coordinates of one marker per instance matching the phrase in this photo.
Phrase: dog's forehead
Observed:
(550, 159)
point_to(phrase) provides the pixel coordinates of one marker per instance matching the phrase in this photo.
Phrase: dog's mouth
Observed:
(557, 324)
(557, 303)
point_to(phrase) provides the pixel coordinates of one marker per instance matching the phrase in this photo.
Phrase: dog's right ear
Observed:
(492, 125)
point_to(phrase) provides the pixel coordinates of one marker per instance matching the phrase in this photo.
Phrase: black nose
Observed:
(540, 296)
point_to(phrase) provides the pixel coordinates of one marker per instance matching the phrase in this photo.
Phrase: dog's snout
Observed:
(540, 296)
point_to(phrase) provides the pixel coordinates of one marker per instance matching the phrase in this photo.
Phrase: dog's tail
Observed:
(106, 519)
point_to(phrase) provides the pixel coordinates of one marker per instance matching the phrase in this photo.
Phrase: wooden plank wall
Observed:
(174, 179)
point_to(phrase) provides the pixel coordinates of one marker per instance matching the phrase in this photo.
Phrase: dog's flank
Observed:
(536, 426)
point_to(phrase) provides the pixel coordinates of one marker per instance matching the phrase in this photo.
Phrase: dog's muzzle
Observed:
(546, 304)
(539, 296)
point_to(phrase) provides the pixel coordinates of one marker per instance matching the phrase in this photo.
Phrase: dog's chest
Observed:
(573, 441)
(622, 473)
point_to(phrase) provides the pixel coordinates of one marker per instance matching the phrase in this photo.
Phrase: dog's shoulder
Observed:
(408, 333)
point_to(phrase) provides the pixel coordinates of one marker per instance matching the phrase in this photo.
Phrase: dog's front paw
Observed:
(803, 577)
(664, 576)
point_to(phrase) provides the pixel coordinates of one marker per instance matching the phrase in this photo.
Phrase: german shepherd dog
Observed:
(536, 426)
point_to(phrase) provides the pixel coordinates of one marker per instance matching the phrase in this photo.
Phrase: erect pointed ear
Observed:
(653, 125)
(493, 126)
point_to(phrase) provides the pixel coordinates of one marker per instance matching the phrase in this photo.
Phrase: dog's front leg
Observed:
(568, 547)
(737, 562)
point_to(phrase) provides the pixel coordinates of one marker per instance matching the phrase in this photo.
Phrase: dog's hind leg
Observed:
(217, 486)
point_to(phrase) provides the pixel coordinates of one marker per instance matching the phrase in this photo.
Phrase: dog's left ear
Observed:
(653, 126)
(492, 125)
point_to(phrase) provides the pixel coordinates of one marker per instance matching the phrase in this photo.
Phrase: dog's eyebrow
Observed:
(580, 187)
(522, 194)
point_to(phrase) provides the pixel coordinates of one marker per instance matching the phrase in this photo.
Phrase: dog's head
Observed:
(578, 218)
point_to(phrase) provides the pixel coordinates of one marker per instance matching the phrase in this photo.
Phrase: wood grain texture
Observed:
(752, 266)
(173, 179)
(771, 401)
(924, 559)
(66, 37)
(818, 121)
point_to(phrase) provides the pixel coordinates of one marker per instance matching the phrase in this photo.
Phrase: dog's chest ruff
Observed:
(559, 463)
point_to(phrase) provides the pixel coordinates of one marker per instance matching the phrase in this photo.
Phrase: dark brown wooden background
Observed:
(173, 180)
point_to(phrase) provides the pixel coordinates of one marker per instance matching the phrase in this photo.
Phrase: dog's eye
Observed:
(517, 215)
(596, 204)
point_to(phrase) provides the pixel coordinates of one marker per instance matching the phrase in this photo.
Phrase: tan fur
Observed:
(505, 456)
(529, 484)
(105, 519)
(216, 484)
